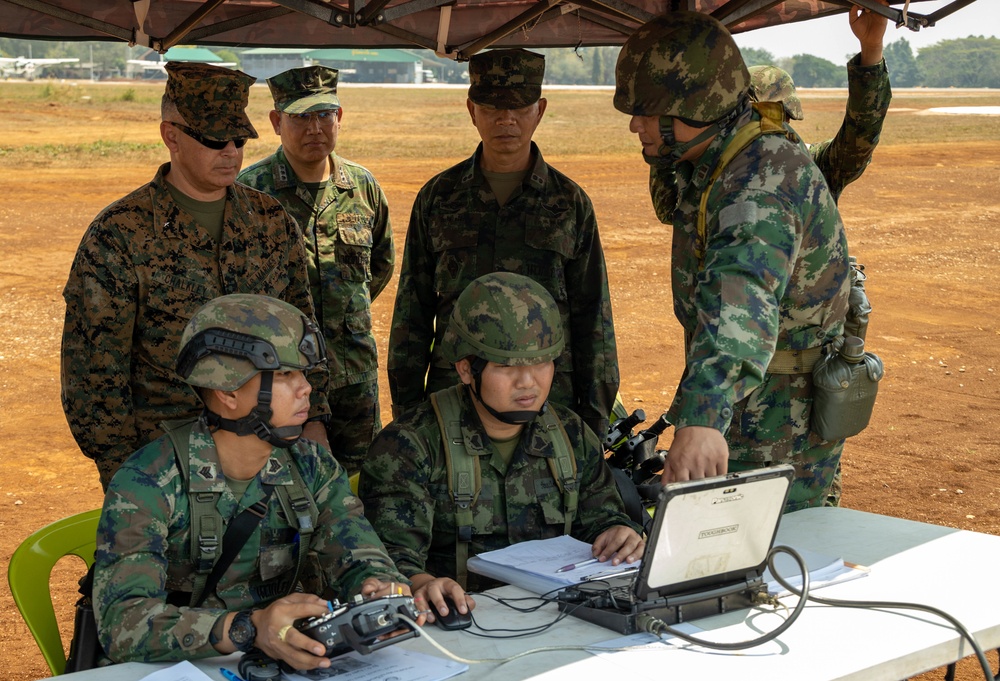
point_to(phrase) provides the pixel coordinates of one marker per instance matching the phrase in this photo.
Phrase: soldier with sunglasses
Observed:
(152, 258)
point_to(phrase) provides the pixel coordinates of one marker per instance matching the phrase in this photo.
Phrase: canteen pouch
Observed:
(845, 385)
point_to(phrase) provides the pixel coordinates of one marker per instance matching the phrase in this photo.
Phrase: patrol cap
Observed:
(771, 84)
(506, 78)
(304, 90)
(212, 100)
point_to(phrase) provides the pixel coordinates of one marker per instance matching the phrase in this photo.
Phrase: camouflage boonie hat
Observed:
(212, 100)
(771, 84)
(506, 79)
(304, 90)
(505, 318)
(682, 64)
(233, 338)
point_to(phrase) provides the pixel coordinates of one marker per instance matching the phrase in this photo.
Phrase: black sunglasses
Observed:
(211, 144)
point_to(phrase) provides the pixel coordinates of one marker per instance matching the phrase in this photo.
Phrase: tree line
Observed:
(965, 62)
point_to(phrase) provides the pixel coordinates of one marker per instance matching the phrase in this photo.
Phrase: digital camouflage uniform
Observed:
(511, 320)
(348, 239)
(143, 546)
(404, 486)
(546, 230)
(842, 159)
(144, 266)
(774, 275)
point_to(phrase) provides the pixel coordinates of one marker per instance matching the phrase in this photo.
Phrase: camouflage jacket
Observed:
(842, 159)
(144, 546)
(348, 239)
(774, 276)
(142, 269)
(404, 486)
(547, 231)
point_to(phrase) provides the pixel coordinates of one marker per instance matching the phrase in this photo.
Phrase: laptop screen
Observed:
(712, 532)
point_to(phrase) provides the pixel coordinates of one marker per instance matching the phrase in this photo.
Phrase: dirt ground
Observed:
(923, 220)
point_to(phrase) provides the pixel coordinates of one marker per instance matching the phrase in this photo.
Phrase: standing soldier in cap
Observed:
(344, 218)
(526, 469)
(152, 258)
(759, 256)
(844, 157)
(505, 210)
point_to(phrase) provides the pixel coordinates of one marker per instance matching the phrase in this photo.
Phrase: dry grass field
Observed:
(924, 220)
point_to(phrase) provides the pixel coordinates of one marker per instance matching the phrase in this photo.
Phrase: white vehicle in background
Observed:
(26, 67)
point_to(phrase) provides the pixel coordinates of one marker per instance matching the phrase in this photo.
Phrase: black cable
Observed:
(656, 626)
(518, 633)
(984, 663)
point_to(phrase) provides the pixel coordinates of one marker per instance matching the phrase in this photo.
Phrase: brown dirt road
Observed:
(923, 220)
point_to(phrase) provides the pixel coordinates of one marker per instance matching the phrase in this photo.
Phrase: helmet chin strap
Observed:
(513, 418)
(258, 421)
(670, 152)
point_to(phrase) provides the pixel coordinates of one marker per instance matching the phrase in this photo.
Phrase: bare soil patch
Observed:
(923, 220)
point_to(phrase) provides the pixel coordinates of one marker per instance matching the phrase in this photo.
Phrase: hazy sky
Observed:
(831, 38)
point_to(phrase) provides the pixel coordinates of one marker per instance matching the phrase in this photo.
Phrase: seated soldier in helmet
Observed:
(532, 469)
(156, 596)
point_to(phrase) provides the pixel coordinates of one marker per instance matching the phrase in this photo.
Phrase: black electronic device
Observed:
(454, 619)
(256, 666)
(705, 555)
(361, 625)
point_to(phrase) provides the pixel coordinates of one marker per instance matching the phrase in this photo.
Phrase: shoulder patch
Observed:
(740, 213)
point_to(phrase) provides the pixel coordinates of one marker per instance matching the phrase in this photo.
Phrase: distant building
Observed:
(151, 65)
(358, 65)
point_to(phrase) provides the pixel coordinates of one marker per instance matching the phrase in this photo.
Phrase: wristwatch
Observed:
(242, 632)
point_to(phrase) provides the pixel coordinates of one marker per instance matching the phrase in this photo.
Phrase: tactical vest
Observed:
(207, 524)
(771, 122)
(465, 476)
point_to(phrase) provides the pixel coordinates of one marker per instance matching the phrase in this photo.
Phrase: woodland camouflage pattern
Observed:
(143, 546)
(546, 231)
(260, 317)
(681, 64)
(142, 269)
(350, 256)
(211, 99)
(775, 276)
(504, 318)
(771, 84)
(404, 486)
(842, 159)
(507, 78)
(299, 91)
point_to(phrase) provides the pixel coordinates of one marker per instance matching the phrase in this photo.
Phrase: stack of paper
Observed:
(534, 565)
(823, 571)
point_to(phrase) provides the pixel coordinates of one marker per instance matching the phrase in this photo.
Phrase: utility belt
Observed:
(845, 384)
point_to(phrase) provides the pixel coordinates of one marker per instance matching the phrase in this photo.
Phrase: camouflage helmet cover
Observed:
(681, 64)
(771, 84)
(231, 339)
(504, 318)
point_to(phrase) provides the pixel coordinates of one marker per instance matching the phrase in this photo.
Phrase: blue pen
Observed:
(230, 676)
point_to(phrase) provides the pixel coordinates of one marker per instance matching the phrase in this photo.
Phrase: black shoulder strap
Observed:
(236, 536)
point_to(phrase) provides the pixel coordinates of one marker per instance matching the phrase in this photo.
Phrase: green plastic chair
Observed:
(29, 572)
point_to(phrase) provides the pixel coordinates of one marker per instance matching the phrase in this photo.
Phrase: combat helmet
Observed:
(233, 338)
(508, 319)
(681, 64)
(771, 84)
